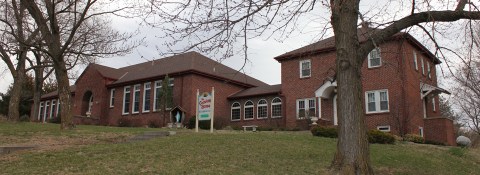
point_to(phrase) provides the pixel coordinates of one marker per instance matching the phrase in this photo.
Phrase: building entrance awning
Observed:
(426, 89)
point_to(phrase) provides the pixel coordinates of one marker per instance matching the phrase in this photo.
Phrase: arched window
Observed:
(276, 107)
(248, 115)
(262, 109)
(235, 111)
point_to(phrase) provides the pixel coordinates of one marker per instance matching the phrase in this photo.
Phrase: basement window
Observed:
(384, 128)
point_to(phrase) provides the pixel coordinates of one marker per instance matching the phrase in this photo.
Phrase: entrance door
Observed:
(335, 119)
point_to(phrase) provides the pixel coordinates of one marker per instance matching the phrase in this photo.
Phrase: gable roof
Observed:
(328, 45)
(190, 62)
(256, 91)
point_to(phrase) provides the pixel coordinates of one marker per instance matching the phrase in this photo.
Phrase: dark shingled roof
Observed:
(108, 72)
(328, 44)
(190, 61)
(261, 90)
(55, 93)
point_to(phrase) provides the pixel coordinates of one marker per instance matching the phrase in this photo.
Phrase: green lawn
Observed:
(224, 152)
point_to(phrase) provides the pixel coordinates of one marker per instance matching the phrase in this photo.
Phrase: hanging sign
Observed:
(205, 106)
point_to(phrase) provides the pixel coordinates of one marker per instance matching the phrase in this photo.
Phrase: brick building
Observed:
(399, 83)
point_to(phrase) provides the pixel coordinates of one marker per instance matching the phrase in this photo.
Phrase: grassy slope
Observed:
(222, 153)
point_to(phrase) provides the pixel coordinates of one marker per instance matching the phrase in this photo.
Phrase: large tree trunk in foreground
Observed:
(16, 93)
(352, 156)
(64, 94)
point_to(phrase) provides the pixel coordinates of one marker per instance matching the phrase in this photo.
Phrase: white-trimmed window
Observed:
(376, 101)
(276, 107)
(126, 100)
(433, 104)
(146, 97)
(112, 97)
(305, 68)
(158, 94)
(384, 128)
(415, 63)
(374, 58)
(262, 108)
(47, 109)
(40, 111)
(423, 65)
(53, 110)
(136, 99)
(428, 70)
(248, 109)
(306, 107)
(236, 111)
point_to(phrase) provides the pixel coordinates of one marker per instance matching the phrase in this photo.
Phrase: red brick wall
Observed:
(268, 122)
(439, 130)
(91, 81)
(184, 91)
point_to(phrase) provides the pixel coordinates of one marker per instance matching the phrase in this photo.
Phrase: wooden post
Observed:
(213, 110)
(196, 111)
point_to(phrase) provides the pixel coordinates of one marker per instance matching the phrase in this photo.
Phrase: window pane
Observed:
(301, 104)
(235, 114)
(262, 112)
(371, 106)
(371, 97)
(383, 101)
(301, 113)
(276, 110)
(249, 113)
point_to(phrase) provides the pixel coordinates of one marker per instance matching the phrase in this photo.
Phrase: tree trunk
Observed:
(352, 156)
(37, 92)
(64, 93)
(16, 93)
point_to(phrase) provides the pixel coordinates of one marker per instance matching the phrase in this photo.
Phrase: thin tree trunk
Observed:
(16, 93)
(352, 156)
(37, 92)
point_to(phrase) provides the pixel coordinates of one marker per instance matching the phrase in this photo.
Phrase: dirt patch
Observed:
(48, 143)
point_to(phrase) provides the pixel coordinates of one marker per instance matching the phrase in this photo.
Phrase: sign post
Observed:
(205, 106)
(196, 111)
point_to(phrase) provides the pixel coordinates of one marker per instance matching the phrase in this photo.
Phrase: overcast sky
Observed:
(262, 66)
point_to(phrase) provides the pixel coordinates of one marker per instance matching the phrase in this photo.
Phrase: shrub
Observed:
(413, 138)
(56, 120)
(24, 118)
(124, 122)
(154, 124)
(322, 131)
(376, 136)
(204, 124)
(434, 143)
(459, 152)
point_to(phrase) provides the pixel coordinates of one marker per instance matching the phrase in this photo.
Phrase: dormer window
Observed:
(305, 68)
(374, 58)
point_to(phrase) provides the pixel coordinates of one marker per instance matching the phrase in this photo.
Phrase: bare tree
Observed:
(58, 38)
(16, 34)
(212, 25)
(468, 94)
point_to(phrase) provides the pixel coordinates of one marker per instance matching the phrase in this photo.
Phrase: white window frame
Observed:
(136, 88)
(377, 101)
(302, 68)
(262, 105)
(415, 63)
(47, 105)
(112, 97)
(385, 126)
(307, 107)
(145, 88)
(245, 110)
(423, 65)
(158, 85)
(58, 106)
(239, 107)
(53, 104)
(276, 103)
(40, 110)
(428, 69)
(370, 57)
(124, 98)
(433, 104)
